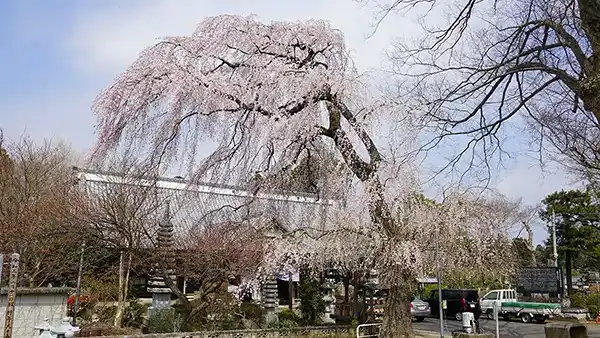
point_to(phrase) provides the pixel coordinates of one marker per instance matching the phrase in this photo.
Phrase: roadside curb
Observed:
(426, 334)
(586, 322)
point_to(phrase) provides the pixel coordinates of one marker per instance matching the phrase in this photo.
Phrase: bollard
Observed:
(468, 322)
(566, 329)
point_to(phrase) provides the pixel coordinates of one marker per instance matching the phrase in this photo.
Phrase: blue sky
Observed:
(38, 73)
(57, 55)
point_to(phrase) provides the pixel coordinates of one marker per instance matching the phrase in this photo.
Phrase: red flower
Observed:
(82, 299)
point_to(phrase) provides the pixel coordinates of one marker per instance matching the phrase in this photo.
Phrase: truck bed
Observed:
(530, 307)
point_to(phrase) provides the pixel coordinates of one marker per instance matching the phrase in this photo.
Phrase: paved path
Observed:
(512, 329)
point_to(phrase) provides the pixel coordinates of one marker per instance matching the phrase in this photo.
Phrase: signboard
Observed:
(540, 280)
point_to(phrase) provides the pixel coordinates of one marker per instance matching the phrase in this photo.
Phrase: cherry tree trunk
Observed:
(397, 321)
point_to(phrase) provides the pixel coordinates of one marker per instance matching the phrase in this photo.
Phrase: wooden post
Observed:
(78, 289)
(12, 291)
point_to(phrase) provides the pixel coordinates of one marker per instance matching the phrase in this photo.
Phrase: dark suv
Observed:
(457, 302)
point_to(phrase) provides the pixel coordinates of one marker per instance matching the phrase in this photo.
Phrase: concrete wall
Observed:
(32, 306)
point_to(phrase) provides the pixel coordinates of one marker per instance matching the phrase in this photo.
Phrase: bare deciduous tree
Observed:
(121, 214)
(528, 215)
(514, 214)
(497, 63)
(37, 210)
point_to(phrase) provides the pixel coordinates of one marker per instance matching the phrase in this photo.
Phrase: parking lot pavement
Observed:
(512, 329)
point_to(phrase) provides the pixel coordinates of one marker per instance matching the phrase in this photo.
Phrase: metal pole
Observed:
(554, 252)
(12, 291)
(439, 283)
(496, 315)
(78, 289)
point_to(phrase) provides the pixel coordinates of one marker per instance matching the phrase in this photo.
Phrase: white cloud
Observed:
(528, 182)
(105, 40)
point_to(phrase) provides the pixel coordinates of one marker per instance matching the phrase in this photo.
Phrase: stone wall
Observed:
(316, 332)
(32, 306)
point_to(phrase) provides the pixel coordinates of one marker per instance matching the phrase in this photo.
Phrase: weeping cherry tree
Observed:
(272, 96)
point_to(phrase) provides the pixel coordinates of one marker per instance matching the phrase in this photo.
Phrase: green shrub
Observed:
(288, 315)
(106, 313)
(589, 302)
(222, 312)
(427, 290)
(283, 324)
(134, 314)
(312, 305)
(593, 311)
(287, 324)
(253, 312)
(162, 321)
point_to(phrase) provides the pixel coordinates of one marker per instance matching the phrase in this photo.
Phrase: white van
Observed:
(496, 296)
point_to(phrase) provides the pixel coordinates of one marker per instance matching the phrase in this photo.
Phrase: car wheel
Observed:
(420, 319)
(490, 314)
(458, 316)
(526, 318)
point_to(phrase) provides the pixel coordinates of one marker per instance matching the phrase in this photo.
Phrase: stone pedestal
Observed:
(161, 295)
(565, 329)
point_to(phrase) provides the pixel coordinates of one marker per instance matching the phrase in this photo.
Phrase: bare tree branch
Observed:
(506, 61)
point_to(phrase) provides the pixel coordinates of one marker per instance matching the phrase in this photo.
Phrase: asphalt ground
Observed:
(510, 329)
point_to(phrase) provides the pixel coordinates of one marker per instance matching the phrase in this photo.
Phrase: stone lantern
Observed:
(44, 329)
(63, 330)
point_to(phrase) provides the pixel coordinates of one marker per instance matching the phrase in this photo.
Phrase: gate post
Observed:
(12, 290)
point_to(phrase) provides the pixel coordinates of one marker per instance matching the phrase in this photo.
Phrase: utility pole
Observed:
(12, 290)
(78, 289)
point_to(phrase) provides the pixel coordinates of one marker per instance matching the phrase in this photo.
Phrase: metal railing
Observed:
(372, 328)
